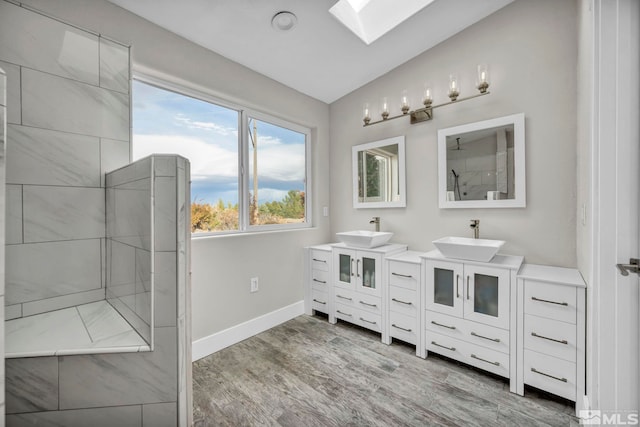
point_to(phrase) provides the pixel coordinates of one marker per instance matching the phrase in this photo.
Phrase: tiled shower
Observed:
(68, 123)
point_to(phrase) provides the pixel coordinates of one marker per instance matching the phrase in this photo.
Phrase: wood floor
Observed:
(307, 372)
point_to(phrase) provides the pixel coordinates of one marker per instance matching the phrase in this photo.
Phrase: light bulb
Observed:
(404, 104)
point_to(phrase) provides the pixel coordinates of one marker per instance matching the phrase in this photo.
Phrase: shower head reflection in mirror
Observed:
(481, 165)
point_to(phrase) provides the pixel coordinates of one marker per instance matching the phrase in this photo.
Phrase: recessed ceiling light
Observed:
(284, 21)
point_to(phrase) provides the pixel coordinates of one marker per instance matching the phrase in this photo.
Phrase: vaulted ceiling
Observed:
(318, 56)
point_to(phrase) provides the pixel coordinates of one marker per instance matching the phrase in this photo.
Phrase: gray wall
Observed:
(530, 47)
(222, 266)
(584, 139)
(68, 122)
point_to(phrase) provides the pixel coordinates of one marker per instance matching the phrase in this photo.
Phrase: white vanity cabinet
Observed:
(469, 311)
(402, 295)
(551, 331)
(358, 282)
(318, 289)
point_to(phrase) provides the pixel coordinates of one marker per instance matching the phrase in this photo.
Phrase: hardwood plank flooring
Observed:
(307, 372)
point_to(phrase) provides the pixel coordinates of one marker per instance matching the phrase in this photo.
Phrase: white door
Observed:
(613, 379)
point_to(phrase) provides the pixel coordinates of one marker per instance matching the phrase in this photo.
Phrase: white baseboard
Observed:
(209, 345)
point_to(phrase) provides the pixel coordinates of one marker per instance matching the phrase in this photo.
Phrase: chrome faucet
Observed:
(475, 226)
(376, 221)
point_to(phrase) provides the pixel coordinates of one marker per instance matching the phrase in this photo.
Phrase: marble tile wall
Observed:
(126, 389)
(67, 110)
(3, 120)
(129, 222)
(68, 122)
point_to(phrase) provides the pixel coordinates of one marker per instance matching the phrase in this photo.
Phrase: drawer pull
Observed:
(444, 326)
(564, 380)
(318, 301)
(401, 302)
(320, 281)
(400, 327)
(473, 356)
(443, 346)
(368, 321)
(533, 334)
(549, 302)
(408, 276)
(366, 303)
(486, 338)
(345, 314)
(347, 298)
(320, 260)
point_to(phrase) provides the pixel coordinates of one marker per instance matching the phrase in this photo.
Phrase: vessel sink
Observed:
(467, 248)
(364, 239)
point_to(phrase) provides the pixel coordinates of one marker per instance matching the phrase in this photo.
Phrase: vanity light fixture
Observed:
(426, 113)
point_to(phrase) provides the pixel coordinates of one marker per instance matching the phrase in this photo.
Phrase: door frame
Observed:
(613, 300)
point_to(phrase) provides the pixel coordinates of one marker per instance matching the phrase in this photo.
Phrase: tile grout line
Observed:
(84, 324)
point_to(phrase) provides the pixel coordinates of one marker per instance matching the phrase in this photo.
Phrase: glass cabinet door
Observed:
(444, 287)
(344, 262)
(345, 268)
(487, 296)
(369, 272)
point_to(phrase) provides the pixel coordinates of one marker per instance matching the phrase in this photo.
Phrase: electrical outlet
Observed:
(325, 211)
(254, 284)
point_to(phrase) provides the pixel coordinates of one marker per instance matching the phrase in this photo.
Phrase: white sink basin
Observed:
(469, 249)
(364, 239)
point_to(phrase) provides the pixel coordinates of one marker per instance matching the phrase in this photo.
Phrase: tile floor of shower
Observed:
(85, 329)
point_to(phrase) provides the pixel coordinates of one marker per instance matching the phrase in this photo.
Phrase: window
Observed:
(248, 170)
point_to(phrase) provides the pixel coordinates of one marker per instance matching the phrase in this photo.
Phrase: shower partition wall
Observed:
(129, 280)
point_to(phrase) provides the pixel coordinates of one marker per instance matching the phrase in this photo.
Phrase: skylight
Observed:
(371, 19)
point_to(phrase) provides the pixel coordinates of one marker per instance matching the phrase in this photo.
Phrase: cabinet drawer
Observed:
(320, 260)
(368, 302)
(403, 327)
(344, 296)
(320, 279)
(474, 333)
(345, 312)
(481, 357)
(403, 301)
(404, 275)
(320, 301)
(550, 301)
(550, 374)
(358, 317)
(369, 320)
(550, 337)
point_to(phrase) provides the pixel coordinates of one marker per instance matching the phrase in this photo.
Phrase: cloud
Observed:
(206, 159)
(210, 126)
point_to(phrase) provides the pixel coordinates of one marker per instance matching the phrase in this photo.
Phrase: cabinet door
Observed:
(368, 272)
(344, 263)
(486, 295)
(444, 292)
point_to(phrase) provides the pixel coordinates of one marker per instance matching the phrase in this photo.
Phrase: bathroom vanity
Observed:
(519, 321)
(467, 309)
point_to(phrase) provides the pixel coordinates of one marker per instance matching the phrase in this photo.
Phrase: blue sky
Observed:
(207, 134)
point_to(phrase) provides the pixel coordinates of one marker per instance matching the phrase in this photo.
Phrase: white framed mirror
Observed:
(379, 174)
(482, 164)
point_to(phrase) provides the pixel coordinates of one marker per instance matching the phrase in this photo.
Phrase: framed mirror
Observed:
(379, 174)
(482, 164)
